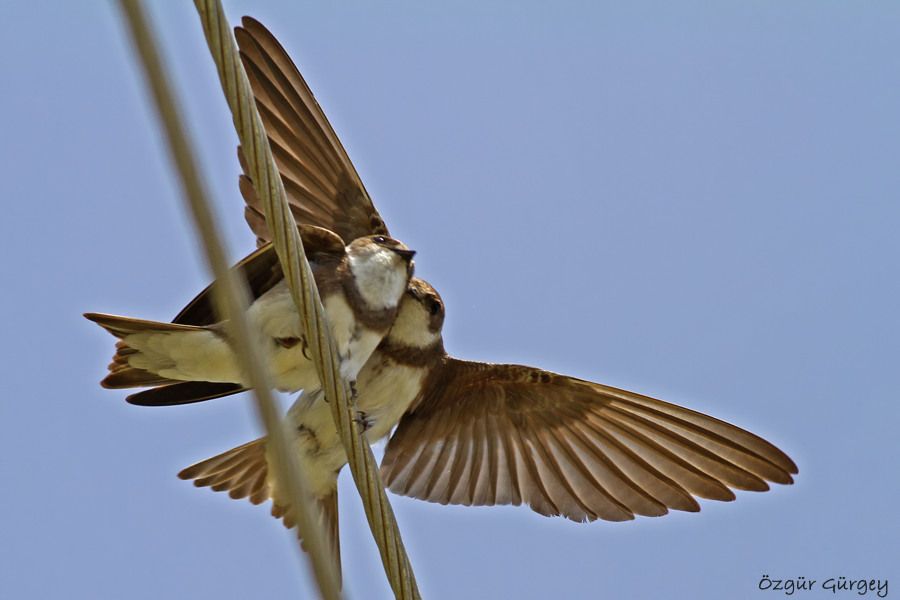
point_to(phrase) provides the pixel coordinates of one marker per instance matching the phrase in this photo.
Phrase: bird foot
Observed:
(364, 421)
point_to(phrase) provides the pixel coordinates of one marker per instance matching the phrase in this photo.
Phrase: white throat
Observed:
(380, 277)
(411, 328)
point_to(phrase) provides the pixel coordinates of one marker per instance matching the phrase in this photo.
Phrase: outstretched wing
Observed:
(322, 186)
(486, 434)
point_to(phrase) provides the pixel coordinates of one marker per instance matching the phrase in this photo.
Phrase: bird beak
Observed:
(404, 254)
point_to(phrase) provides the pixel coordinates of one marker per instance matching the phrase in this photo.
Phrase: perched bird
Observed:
(483, 434)
(360, 285)
(386, 386)
(467, 432)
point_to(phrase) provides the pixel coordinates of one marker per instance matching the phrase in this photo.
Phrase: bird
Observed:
(464, 432)
(360, 283)
(474, 433)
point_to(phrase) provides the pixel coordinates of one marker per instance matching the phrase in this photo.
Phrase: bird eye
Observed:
(379, 239)
(434, 307)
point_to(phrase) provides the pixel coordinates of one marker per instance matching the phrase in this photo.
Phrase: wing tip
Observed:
(247, 22)
(792, 469)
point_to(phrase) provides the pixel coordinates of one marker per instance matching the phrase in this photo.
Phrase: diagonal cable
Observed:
(289, 248)
(231, 300)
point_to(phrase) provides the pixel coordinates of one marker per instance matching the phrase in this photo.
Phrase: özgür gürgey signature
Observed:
(835, 585)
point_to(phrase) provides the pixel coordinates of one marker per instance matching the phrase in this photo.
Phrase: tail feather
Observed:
(328, 509)
(122, 375)
(328, 520)
(153, 353)
(163, 390)
(208, 366)
(130, 377)
(233, 469)
(122, 327)
(243, 472)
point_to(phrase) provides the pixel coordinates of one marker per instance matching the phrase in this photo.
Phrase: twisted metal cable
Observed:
(298, 275)
(231, 301)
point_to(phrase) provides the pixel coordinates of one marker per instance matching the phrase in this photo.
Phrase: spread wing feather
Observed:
(484, 434)
(322, 186)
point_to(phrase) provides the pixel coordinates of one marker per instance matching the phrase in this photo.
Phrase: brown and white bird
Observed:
(484, 434)
(360, 285)
(467, 432)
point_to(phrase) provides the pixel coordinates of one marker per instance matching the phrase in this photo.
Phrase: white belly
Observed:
(316, 441)
(275, 316)
(384, 395)
(385, 392)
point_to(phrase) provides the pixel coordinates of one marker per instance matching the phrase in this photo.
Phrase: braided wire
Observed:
(230, 297)
(298, 275)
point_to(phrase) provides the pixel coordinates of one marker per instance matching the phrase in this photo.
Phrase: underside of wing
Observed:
(262, 271)
(322, 186)
(487, 434)
(183, 392)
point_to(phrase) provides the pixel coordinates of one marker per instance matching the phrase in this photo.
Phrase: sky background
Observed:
(697, 201)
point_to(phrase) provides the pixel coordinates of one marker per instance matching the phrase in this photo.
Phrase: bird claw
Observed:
(364, 421)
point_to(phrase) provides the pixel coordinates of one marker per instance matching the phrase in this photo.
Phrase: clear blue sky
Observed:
(693, 200)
